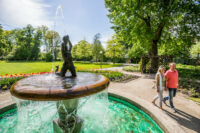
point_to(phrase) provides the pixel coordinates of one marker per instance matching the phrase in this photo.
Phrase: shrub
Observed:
(6, 83)
(131, 68)
(48, 57)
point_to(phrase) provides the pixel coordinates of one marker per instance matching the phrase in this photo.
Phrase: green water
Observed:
(100, 115)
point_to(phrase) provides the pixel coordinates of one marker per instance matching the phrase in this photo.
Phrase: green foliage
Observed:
(112, 75)
(49, 57)
(82, 50)
(54, 41)
(195, 50)
(97, 47)
(158, 27)
(5, 43)
(132, 68)
(190, 87)
(114, 50)
(195, 99)
(25, 43)
(6, 83)
(28, 43)
(189, 71)
(136, 51)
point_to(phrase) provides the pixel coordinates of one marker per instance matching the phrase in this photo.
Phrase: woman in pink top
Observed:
(171, 77)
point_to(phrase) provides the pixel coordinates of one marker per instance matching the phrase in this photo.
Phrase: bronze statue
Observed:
(67, 57)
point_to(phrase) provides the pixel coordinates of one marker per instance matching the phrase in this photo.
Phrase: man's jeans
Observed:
(172, 93)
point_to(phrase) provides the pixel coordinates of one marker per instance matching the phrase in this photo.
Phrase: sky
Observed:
(81, 19)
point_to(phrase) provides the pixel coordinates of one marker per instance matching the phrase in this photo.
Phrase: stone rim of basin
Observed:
(46, 94)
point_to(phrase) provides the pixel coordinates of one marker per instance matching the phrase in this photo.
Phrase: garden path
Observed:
(188, 112)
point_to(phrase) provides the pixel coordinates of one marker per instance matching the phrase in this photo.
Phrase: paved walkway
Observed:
(188, 112)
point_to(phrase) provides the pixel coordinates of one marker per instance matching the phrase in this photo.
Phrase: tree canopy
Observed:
(153, 25)
(97, 47)
(114, 50)
(195, 50)
(25, 43)
(82, 50)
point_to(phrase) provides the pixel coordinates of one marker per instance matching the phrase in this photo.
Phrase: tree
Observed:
(74, 51)
(53, 42)
(6, 42)
(114, 49)
(195, 50)
(151, 24)
(35, 50)
(136, 51)
(97, 47)
(24, 43)
(44, 30)
(3, 44)
(82, 50)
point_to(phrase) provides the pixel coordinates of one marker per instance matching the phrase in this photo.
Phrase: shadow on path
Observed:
(186, 120)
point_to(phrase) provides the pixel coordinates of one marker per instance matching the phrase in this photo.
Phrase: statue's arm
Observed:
(70, 45)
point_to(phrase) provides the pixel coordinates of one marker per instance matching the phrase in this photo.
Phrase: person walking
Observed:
(171, 77)
(160, 85)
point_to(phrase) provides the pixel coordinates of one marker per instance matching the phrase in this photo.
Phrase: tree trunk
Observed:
(154, 57)
(144, 61)
(154, 48)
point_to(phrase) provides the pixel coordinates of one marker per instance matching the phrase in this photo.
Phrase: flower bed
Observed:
(113, 75)
(132, 68)
(6, 80)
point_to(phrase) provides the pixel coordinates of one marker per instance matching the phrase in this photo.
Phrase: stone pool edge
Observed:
(166, 123)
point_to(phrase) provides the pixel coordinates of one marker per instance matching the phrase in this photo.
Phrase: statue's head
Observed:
(66, 38)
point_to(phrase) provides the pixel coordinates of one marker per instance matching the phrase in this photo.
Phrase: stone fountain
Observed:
(63, 88)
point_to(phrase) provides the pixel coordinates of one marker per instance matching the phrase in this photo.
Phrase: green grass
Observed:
(32, 67)
(194, 99)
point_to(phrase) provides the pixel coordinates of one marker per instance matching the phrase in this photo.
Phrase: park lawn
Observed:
(32, 67)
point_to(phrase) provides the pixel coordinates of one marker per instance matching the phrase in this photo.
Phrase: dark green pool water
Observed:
(99, 114)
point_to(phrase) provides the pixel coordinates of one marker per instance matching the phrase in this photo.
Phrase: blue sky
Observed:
(82, 18)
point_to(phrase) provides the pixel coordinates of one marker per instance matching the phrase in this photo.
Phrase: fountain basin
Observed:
(50, 87)
(99, 116)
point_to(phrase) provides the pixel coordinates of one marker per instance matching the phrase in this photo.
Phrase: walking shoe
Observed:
(153, 102)
(173, 110)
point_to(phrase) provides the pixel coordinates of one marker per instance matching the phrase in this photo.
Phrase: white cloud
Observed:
(19, 13)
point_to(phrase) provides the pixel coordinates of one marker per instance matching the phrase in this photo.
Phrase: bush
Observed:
(131, 68)
(112, 75)
(6, 83)
(48, 57)
(189, 71)
(192, 86)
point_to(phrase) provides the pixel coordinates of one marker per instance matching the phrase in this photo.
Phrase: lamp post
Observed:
(101, 53)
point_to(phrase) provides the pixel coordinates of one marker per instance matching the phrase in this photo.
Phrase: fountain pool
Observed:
(101, 114)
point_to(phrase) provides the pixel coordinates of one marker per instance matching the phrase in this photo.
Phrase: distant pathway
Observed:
(188, 112)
